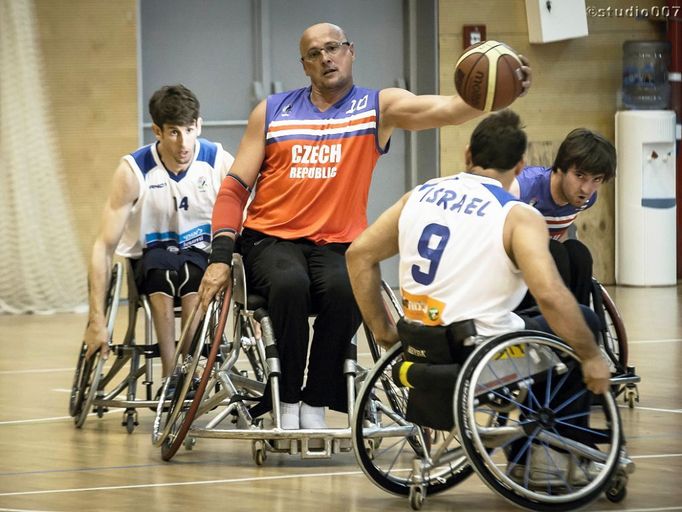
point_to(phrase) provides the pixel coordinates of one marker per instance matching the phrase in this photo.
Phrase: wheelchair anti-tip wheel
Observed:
(86, 379)
(397, 455)
(527, 425)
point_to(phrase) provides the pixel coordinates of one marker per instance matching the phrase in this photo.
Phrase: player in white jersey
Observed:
(159, 214)
(466, 247)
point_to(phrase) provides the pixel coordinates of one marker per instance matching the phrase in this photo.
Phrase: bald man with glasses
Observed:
(311, 152)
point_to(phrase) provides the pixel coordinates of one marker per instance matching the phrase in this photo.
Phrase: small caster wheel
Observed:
(617, 492)
(189, 442)
(100, 410)
(130, 423)
(258, 452)
(631, 396)
(416, 497)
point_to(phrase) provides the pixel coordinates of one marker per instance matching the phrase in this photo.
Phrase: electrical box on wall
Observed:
(472, 34)
(555, 20)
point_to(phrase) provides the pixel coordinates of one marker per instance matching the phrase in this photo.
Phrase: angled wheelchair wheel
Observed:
(614, 338)
(86, 379)
(86, 384)
(529, 426)
(183, 391)
(397, 455)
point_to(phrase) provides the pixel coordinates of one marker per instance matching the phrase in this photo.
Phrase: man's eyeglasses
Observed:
(331, 48)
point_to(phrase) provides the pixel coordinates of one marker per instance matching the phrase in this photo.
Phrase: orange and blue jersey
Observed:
(535, 190)
(315, 178)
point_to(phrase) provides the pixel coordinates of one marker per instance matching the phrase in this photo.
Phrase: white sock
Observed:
(312, 417)
(290, 415)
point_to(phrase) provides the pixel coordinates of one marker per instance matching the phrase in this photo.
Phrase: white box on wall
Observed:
(555, 20)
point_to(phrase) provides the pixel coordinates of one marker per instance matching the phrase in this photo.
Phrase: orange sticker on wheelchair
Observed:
(513, 352)
(422, 308)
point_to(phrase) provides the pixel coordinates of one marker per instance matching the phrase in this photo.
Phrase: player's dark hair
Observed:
(589, 152)
(498, 142)
(175, 105)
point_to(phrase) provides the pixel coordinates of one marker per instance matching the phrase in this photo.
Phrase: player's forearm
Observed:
(430, 111)
(402, 109)
(229, 206)
(99, 273)
(365, 278)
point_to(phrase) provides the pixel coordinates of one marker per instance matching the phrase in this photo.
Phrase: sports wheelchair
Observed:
(223, 373)
(100, 384)
(511, 408)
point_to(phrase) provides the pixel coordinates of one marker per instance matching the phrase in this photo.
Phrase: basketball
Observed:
(488, 76)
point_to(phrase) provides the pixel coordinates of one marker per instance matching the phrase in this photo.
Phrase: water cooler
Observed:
(646, 214)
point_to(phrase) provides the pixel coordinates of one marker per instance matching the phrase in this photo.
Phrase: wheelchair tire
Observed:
(171, 426)
(88, 373)
(522, 454)
(614, 340)
(386, 444)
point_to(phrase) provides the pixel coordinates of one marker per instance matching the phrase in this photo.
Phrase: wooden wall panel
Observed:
(90, 55)
(575, 83)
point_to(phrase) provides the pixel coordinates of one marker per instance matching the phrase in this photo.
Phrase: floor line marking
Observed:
(661, 456)
(196, 482)
(21, 510)
(664, 340)
(55, 418)
(36, 370)
(654, 409)
(61, 418)
(658, 509)
(268, 478)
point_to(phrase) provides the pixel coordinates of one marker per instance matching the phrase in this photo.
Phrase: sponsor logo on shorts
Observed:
(416, 352)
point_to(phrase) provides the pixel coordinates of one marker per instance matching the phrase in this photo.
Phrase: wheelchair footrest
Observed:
(312, 447)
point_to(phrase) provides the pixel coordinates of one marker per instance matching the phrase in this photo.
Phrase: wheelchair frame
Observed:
(224, 390)
(497, 402)
(93, 375)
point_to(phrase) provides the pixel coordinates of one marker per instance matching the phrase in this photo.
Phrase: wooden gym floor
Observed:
(48, 465)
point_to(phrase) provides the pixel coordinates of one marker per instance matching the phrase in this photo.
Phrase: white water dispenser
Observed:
(645, 198)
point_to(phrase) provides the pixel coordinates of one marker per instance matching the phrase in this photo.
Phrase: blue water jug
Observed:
(645, 75)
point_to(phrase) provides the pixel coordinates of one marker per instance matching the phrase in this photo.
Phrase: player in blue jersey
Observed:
(159, 214)
(584, 162)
